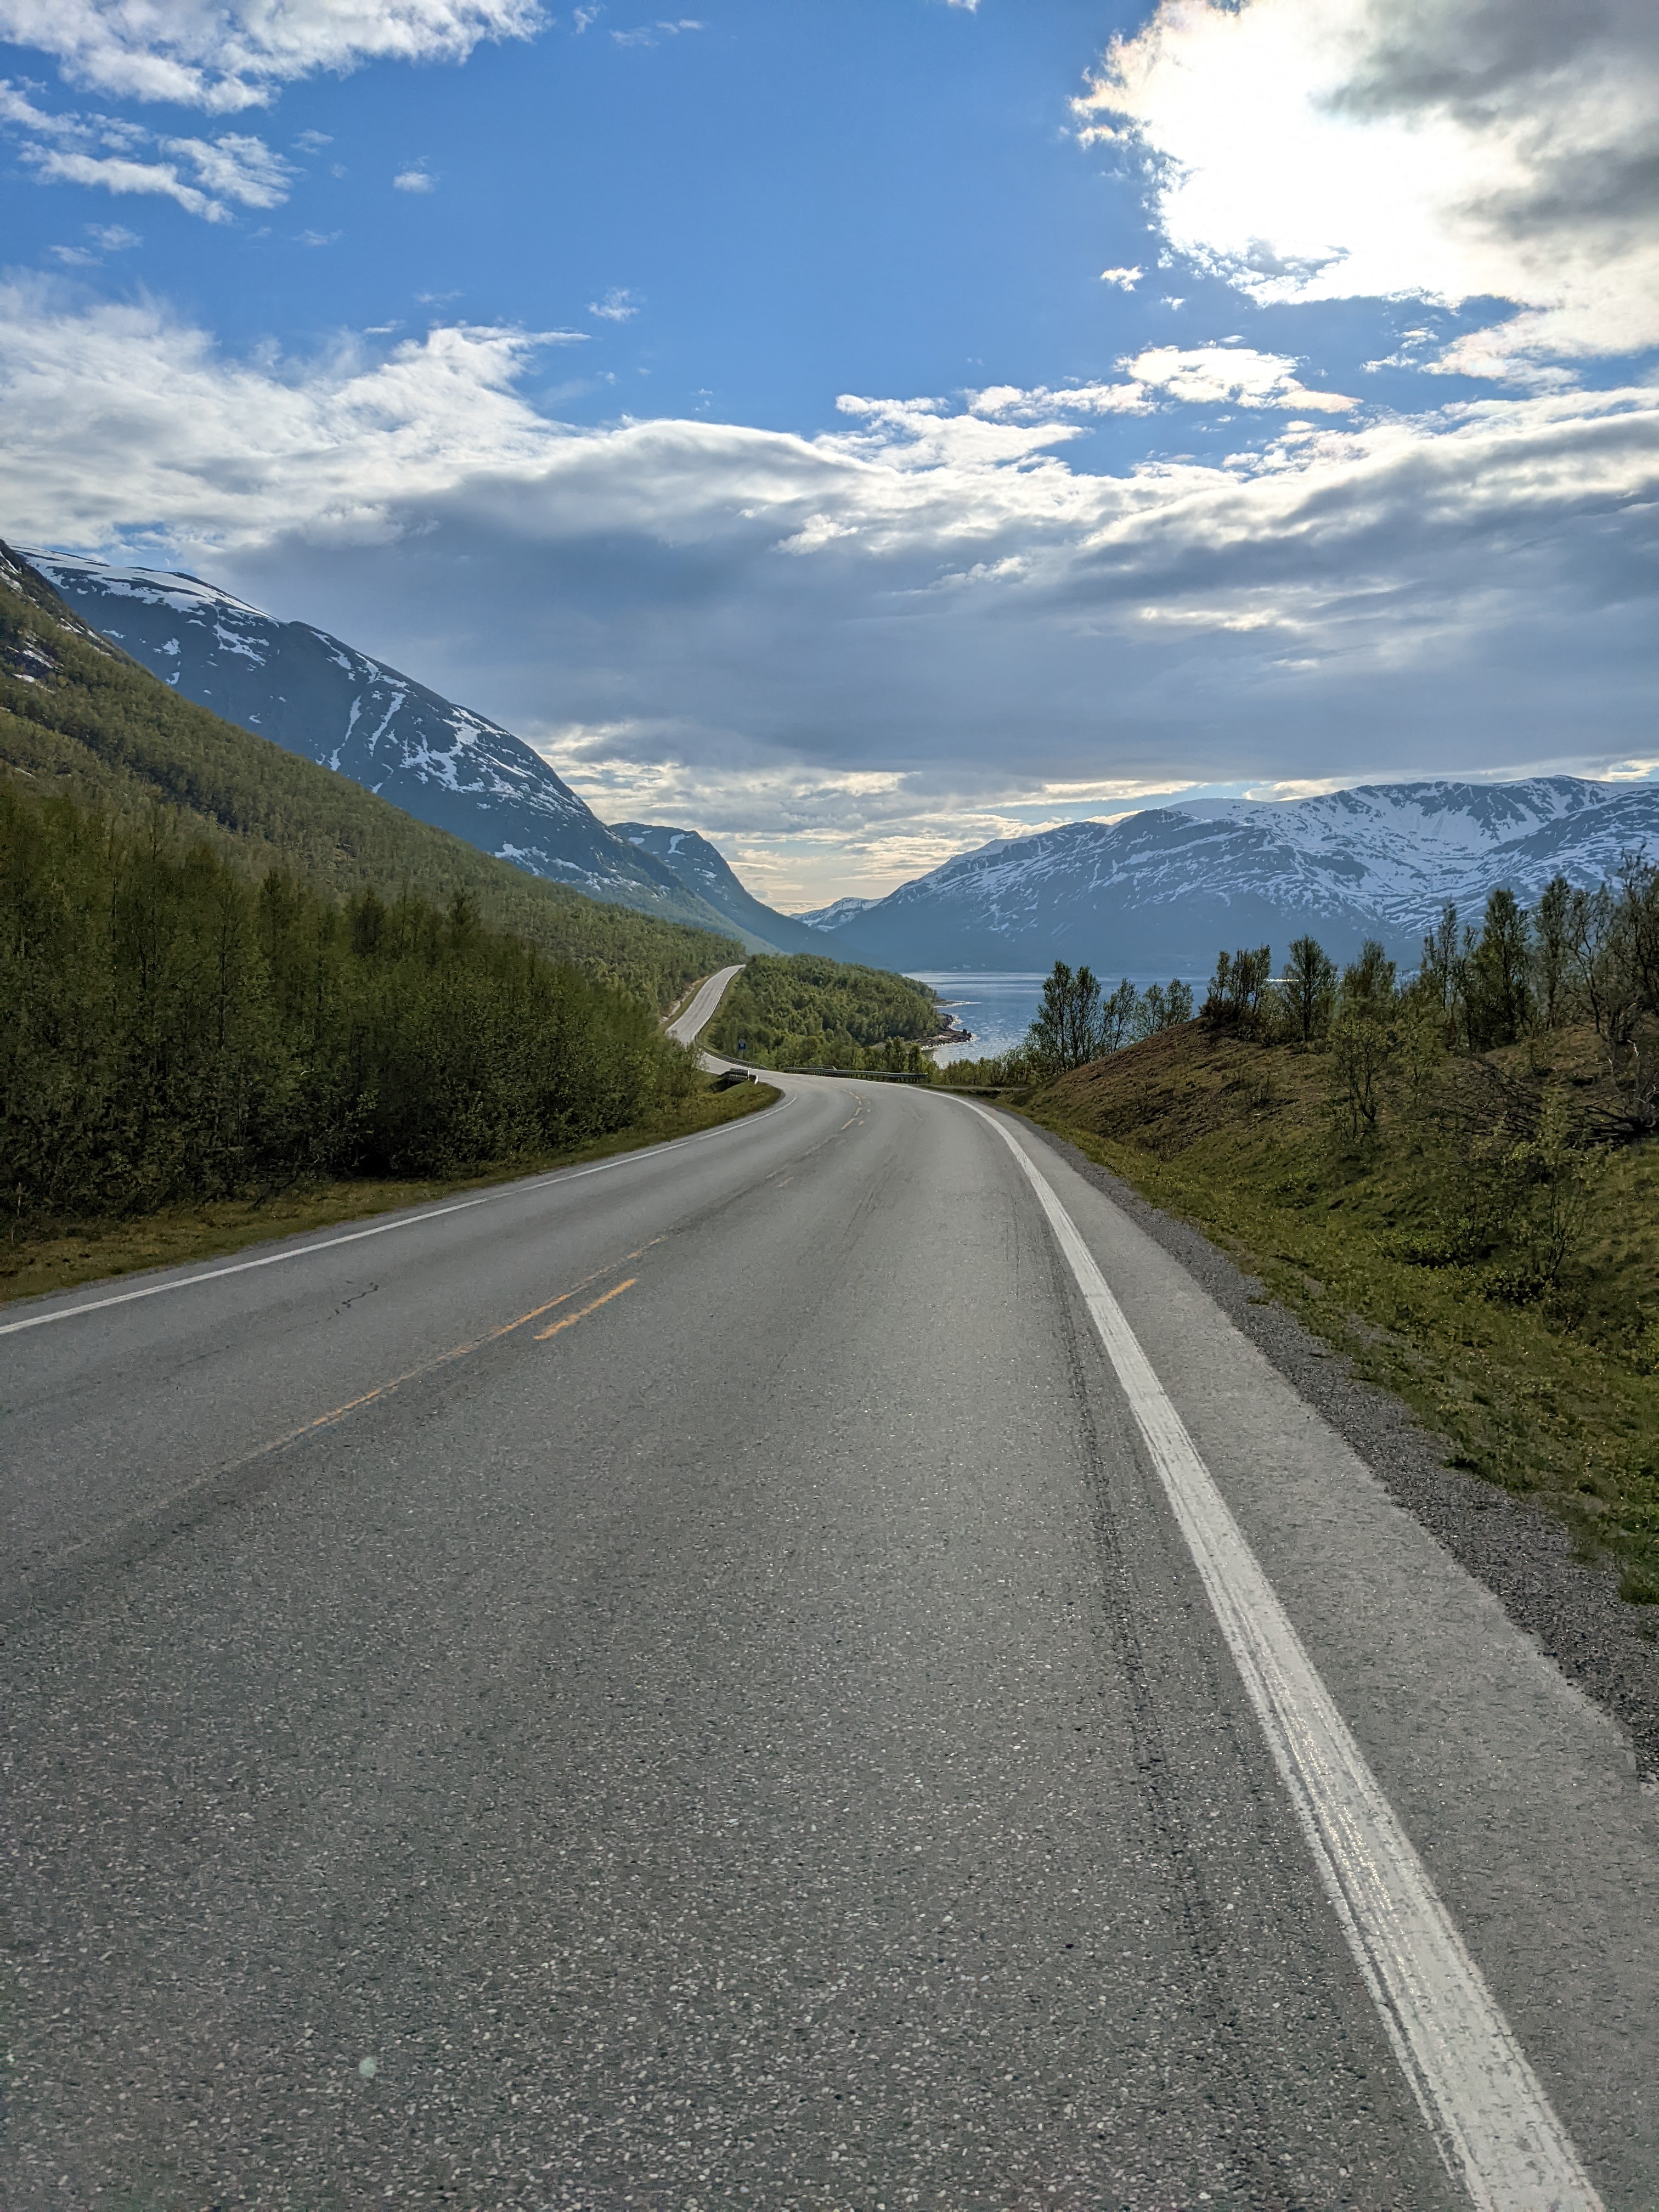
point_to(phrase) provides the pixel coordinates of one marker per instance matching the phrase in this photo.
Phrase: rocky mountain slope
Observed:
(1163, 890)
(705, 872)
(319, 697)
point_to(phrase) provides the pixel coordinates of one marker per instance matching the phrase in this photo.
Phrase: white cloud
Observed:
(113, 237)
(1203, 376)
(1125, 279)
(930, 596)
(108, 153)
(311, 142)
(225, 55)
(415, 179)
(648, 35)
(1449, 149)
(618, 306)
(117, 173)
(235, 167)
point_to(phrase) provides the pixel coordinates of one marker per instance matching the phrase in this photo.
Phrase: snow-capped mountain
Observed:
(314, 695)
(1165, 889)
(838, 911)
(707, 874)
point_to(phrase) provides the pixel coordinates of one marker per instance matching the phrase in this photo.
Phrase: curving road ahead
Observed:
(811, 1667)
(687, 1027)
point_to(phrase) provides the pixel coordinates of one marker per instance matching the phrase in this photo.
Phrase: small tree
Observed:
(1551, 1180)
(1067, 1031)
(1119, 1016)
(1238, 988)
(1361, 1035)
(1151, 1014)
(1309, 988)
(1368, 983)
(1499, 996)
(1551, 952)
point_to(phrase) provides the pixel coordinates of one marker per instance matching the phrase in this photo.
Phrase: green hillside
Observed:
(79, 718)
(804, 1008)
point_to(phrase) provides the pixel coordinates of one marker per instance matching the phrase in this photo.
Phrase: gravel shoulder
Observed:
(1518, 1550)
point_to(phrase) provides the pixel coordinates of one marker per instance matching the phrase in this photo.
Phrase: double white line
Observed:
(1485, 2107)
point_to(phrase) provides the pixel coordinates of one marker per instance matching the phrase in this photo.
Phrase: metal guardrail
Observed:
(857, 1074)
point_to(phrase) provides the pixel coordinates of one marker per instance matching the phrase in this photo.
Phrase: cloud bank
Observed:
(1449, 149)
(890, 636)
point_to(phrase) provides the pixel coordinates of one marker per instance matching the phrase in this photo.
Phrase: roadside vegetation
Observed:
(1454, 1179)
(800, 1010)
(60, 1254)
(171, 1030)
(1077, 1022)
(79, 718)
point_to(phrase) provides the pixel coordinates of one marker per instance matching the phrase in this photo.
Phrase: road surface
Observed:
(687, 1027)
(732, 1676)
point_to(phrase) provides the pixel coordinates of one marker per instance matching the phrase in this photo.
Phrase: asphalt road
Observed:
(689, 1026)
(715, 1679)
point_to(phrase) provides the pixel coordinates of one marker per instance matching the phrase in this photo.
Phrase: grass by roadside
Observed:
(1554, 1396)
(94, 1251)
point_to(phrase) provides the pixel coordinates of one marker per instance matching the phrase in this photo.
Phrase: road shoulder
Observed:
(1516, 1549)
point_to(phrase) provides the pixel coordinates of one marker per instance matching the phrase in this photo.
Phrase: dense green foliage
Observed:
(76, 716)
(170, 1028)
(801, 1010)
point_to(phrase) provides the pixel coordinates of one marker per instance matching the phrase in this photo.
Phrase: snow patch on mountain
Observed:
(1175, 883)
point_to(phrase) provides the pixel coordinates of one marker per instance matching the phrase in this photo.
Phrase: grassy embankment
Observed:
(1403, 1253)
(800, 1010)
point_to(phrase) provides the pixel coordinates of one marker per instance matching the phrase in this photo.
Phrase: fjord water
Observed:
(999, 1009)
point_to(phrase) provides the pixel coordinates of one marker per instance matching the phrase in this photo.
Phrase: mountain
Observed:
(705, 873)
(78, 717)
(1164, 890)
(310, 693)
(838, 911)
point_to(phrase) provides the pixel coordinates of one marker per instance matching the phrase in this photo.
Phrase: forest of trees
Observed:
(801, 1010)
(172, 1028)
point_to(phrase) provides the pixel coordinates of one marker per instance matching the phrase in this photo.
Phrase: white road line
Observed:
(379, 1229)
(1484, 2104)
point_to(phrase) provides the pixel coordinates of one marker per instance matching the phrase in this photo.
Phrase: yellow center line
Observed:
(380, 1390)
(570, 1320)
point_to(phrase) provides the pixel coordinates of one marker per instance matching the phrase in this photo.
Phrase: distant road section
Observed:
(687, 1028)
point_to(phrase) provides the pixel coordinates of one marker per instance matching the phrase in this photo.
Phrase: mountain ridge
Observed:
(705, 872)
(1168, 885)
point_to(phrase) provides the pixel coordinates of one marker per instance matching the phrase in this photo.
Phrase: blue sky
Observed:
(736, 406)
